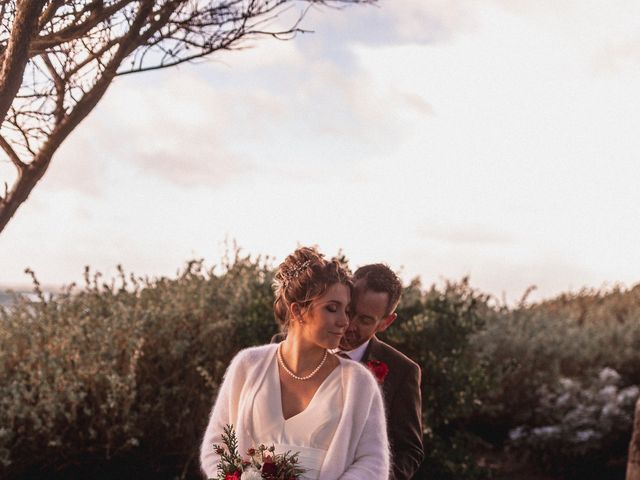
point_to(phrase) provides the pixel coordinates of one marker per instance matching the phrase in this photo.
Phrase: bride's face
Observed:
(326, 320)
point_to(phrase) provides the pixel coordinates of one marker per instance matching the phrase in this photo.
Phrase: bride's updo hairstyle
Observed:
(304, 276)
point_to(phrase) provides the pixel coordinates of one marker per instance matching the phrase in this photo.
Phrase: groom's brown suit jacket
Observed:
(403, 406)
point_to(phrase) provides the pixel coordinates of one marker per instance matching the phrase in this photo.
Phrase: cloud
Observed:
(417, 103)
(188, 161)
(81, 164)
(464, 236)
(616, 56)
(549, 274)
(506, 273)
(384, 24)
(173, 126)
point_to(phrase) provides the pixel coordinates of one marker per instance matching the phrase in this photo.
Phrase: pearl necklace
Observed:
(306, 377)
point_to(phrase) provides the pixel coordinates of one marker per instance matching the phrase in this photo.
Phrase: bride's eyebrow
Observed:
(334, 301)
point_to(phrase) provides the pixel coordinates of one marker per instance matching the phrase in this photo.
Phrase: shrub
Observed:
(109, 376)
(528, 348)
(435, 328)
(579, 428)
(117, 379)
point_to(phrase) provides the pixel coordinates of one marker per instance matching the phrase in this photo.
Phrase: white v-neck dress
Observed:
(309, 432)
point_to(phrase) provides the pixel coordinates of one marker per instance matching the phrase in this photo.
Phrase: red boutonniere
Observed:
(379, 369)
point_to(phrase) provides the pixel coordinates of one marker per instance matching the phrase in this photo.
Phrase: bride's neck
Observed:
(300, 354)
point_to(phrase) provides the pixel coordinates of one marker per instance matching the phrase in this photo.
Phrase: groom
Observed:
(375, 298)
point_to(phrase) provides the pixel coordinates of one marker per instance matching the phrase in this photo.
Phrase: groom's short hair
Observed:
(378, 277)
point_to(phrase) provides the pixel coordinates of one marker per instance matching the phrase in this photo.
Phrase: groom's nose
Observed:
(351, 323)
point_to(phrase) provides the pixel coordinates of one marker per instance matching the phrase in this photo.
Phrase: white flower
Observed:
(563, 399)
(586, 435)
(608, 393)
(628, 395)
(609, 376)
(546, 432)
(610, 409)
(516, 433)
(251, 474)
(567, 383)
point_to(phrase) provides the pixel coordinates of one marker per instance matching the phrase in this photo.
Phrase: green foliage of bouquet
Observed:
(260, 463)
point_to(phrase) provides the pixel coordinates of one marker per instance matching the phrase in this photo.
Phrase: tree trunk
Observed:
(30, 174)
(16, 56)
(28, 179)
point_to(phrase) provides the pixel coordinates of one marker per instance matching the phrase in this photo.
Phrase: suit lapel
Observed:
(370, 352)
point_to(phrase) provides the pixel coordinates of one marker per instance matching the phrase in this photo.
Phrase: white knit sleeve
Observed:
(219, 417)
(372, 451)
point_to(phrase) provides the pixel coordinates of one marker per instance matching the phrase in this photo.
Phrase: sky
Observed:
(493, 139)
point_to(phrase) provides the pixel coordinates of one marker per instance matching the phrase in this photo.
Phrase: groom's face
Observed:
(368, 316)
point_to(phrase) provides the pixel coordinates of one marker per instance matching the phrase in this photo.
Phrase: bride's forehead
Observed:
(337, 292)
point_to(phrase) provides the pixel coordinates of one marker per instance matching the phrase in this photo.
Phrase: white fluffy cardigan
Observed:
(359, 449)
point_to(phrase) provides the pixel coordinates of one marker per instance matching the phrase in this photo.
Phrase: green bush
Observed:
(435, 328)
(98, 381)
(117, 379)
(579, 428)
(528, 348)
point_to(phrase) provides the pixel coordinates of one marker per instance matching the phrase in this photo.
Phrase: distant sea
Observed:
(6, 298)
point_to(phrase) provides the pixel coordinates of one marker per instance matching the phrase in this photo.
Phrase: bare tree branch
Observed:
(59, 57)
(13, 156)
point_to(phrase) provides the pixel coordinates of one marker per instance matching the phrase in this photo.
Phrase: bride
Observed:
(298, 396)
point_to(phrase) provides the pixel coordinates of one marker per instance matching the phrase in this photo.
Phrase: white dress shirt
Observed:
(357, 353)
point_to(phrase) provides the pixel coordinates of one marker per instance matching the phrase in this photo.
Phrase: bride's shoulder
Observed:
(254, 354)
(357, 372)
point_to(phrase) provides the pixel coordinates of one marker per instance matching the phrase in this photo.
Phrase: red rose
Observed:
(251, 452)
(379, 369)
(268, 467)
(233, 476)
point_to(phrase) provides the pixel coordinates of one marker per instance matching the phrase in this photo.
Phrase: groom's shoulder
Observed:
(386, 353)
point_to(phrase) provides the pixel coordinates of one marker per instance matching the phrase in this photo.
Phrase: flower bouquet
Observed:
(261, 463)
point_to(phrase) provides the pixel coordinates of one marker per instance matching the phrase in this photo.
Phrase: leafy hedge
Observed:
(117, 379)
(121, 377)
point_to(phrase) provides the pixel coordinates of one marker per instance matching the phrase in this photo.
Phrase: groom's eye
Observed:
(365, 320)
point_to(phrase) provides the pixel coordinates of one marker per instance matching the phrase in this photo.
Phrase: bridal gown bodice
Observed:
(309, 432)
